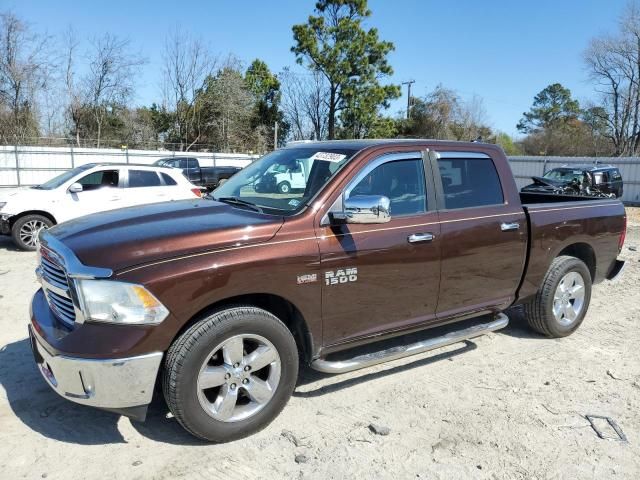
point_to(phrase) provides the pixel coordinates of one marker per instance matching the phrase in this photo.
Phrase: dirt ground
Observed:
(508, 405)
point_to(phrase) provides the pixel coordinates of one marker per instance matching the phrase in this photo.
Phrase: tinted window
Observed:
(401, 181)
(143, 178)
(168, 180)
(470, 182)
(96, 180)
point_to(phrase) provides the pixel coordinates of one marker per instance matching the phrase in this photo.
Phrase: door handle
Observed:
(420, 237)
(506, 227)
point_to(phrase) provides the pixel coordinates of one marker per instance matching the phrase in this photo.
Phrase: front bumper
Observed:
(122, 385)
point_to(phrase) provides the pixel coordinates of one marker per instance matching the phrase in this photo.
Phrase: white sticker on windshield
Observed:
(328, 156)
(294, 202)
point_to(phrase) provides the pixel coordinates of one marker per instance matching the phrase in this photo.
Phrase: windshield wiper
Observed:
(238, 201)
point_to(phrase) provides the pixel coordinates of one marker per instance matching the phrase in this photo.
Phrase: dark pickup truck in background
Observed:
(219, 299)
(207, 177)
(602, 181)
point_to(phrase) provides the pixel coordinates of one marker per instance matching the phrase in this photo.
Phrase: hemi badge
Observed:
(308, 278)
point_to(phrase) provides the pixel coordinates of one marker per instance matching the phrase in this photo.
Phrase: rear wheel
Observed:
(561, 304)
(230, 374)
(25, 231)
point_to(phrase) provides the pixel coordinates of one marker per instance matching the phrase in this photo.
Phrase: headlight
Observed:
(119, 302)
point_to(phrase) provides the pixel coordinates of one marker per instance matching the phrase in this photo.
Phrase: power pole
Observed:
(408, 84)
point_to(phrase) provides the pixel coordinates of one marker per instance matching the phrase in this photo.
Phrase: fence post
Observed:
(73, 160)
(126, 153)
(544, 166)
(15, 150)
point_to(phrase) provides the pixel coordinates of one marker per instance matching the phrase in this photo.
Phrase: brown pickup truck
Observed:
(219, 299)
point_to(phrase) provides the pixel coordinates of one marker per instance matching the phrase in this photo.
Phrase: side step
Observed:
(369, 359)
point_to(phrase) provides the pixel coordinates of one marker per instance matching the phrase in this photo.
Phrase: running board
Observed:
(394, 353)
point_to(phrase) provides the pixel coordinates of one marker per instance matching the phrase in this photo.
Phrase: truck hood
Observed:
(132, 236)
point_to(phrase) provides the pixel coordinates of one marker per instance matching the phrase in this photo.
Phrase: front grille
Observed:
(56, 288)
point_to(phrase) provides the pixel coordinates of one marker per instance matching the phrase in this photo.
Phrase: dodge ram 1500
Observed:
(218, 300)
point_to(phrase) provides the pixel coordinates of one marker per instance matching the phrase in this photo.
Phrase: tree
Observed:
(614, 64)
(110, 80)
(352, 59)
(187, 66)
(25, 71)
(552, 108)
(305, 105)
(442, 114)
(265, 87)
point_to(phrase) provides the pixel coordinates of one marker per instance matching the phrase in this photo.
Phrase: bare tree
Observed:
(110, 80)
(25, 70)
(187, 64)
(305, 104)
(614, 64)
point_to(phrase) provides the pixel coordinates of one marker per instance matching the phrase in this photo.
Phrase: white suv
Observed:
(85, 190)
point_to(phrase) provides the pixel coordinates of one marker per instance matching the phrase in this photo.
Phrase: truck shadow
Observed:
(6, 243)
(45, 412)
(308, 375)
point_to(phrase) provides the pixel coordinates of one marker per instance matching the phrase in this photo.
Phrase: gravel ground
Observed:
(507, 405)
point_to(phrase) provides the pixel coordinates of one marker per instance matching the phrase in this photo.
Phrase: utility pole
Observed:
(275, 136)
(408, 84)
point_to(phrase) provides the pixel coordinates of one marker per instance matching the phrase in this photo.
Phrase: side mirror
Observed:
(364, 209)
(75, 188)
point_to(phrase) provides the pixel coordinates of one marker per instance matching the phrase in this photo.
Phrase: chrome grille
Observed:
(56, 288)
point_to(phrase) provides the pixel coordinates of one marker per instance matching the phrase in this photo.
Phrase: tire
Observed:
(548, 313)
(201, 411)
(284, 187)
(25, 231)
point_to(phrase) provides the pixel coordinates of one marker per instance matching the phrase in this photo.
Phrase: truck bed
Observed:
(572, 225)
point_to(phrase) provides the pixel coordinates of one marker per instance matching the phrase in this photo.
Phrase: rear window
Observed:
(143, 178)
(470, 182)
(168, 180)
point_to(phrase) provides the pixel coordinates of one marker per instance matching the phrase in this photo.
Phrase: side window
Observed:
(96, 180)
(191, 162)
(168, 180)
(402, 181)
(470, 182)
(143, 178)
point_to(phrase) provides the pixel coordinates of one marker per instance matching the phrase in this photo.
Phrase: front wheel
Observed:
(25, 231)
(284, 187)
(561, 303)
(230, 374)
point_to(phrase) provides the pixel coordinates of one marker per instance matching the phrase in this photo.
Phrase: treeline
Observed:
(82, 91)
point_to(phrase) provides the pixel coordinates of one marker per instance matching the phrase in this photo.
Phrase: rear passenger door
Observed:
(144, 186)
(483, 236)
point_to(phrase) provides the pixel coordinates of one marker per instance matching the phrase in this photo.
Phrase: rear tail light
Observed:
(623, 234)
(197, 192)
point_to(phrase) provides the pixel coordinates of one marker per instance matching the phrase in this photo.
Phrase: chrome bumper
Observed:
(111, 384)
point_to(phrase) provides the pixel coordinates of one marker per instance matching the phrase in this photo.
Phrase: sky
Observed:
(502, 51)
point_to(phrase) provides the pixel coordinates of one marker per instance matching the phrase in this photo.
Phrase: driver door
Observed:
(379, 278)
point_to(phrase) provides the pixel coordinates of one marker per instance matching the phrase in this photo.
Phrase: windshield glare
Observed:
(55, 182)
(285, 180)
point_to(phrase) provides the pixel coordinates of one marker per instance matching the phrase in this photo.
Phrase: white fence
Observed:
(34, 165)
(525, 167)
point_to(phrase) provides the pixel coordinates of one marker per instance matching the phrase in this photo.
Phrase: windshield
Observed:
(284, 181)
(565, 175)
(55, 182)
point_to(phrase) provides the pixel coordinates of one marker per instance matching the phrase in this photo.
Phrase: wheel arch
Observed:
(15, 218)
(277, 305)
(582, 251)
